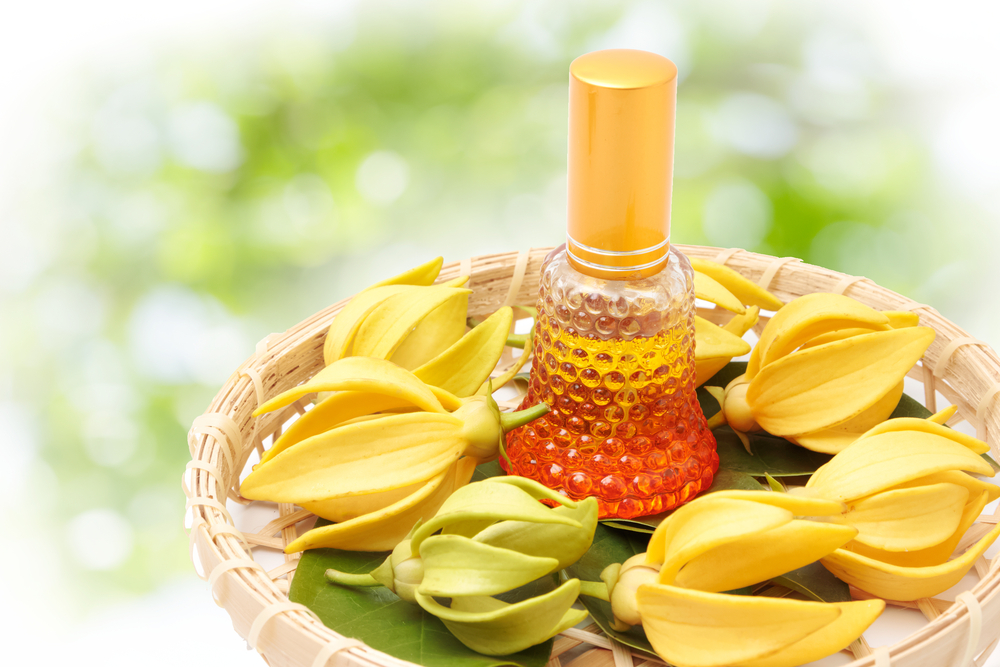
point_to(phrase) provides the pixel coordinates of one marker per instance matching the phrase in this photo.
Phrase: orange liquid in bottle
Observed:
(615, 362)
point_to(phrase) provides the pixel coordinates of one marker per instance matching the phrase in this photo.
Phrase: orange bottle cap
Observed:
(621, 162)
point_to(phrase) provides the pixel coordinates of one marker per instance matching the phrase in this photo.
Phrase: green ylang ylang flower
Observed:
(489, 538)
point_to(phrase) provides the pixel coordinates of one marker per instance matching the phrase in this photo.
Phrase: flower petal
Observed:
(827, 385)
(854, 619)
(696, 629)
(937, 554)
(363, 374)
(807, 317)
(493, 627)
(882, 461)
(928, 426)
(762, 556)
(834, 440)
(401, 318)
(457, 566)
(705, 524)
(892, 582)
(384, 528)
(377, 455)
(908, 519)
(709, 289)
(463, 367)
(747, 291)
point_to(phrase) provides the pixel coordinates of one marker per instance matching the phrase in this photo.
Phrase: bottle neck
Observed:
(617, 265)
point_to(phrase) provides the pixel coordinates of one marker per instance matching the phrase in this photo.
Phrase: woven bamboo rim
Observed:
(960, 368)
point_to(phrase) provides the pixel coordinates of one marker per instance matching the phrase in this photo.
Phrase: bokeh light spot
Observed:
(204, 137)
(737, 214)
(100, 539)
(755, 125)
(382, 177)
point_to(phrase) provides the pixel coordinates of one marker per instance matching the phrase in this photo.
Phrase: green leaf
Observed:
(383, 621)
(910, 407)
(486, 470)
(723, 480)
(771, 455)
(611, 546)
(729, 372)
(815, 582)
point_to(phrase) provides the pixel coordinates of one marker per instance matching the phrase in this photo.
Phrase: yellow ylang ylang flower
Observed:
(728, 540)
(716, 346)
(489, 538)
(356, 388)
(826, 369)
(378, 473)
(406, 318)
(910, 494)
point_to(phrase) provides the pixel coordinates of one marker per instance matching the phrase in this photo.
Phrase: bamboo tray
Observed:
(961, 369)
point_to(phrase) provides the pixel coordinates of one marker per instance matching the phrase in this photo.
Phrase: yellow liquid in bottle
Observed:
(616, 366)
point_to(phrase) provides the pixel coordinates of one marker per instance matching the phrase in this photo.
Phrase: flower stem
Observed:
(517, 340)
(511, 420)
(595, 589)
(347, 579)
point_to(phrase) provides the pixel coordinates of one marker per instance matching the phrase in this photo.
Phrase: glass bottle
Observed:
(614, 338)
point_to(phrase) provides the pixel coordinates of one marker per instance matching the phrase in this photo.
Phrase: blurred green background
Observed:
(232, 184)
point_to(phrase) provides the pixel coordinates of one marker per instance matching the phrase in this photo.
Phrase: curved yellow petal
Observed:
(935, 555)
(797, 504)
(807, 317)
(350, 507)
(824, 386)
(463, 367)
(377, 455)
(424, 275)
(696, 629)
(908, 519)
(747, 291)
(892, 582)
(336, 409)
(384, 528)
(738, 325)
(761, 556)
(707, 288)
(401, 318)
(942, 416)
(433, 334)
(975, 486)
(898, 319)
(346, 323)
(834, 440)
(712, 341)
(855, 618)
(365, 375)
(928, 426)
(882, 461)
(705, 524)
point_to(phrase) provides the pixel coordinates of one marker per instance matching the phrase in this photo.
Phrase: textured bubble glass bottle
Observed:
(614, 339)
(615, 361)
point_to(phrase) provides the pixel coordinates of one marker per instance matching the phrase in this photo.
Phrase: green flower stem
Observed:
(347, 579)
(517, 340)
(511, 420)
(595, 589)
(716, 420)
